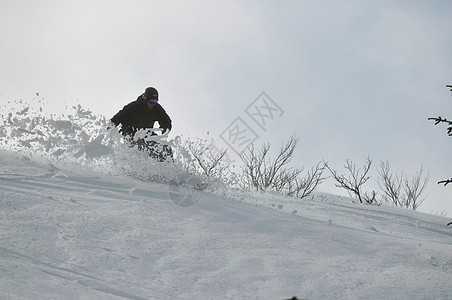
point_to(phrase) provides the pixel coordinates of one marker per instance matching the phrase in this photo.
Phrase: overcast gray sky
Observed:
(350, 78)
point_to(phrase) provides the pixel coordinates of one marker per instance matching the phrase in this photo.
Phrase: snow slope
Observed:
(74, 226)
(67, 234)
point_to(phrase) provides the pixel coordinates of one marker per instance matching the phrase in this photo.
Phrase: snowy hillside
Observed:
(84, 216)
(68, 234)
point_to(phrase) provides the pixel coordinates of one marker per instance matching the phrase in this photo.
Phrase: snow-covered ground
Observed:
(84, 216)
(67, 234)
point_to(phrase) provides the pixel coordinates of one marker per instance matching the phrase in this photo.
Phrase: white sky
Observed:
(352, 77)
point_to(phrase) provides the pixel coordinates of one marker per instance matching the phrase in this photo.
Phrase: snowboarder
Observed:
(142, 114)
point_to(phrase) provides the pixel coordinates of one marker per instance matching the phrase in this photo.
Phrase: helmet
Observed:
(150, 93)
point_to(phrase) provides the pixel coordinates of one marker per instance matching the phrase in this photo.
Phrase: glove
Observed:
(110, 125)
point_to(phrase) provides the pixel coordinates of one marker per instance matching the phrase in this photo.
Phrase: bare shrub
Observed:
(207, 158)
(303, 187)
(199, 157)
(414, 188)
(390, 184)
(399, 190)
(355, 181)
(262, 173)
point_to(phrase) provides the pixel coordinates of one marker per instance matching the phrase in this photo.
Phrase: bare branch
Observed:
(261, 172)
(372, 198)
(207, 165)
(414, 189)
(449, 132)
(285, 179)
(203, 159)
(391, 186)
(445, 182)
(355, 181)
(398, 190)
(309, 183)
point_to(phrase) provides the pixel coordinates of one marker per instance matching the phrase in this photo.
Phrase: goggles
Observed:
(150, 98)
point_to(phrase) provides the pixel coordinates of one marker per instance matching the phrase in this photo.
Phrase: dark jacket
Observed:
(137, 115)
